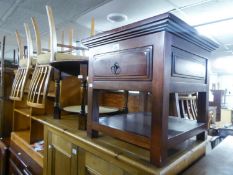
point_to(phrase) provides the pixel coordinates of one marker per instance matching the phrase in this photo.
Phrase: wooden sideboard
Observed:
(159, 56)
(70, 151)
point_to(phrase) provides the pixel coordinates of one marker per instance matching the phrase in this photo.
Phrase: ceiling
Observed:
(213, 18)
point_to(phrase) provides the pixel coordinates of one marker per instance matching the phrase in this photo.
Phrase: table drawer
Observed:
(129, 64)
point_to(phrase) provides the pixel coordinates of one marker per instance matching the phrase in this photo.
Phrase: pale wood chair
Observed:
(25, 64)
(60, 60)
(38, 86)
(186, 106)
(54, 54)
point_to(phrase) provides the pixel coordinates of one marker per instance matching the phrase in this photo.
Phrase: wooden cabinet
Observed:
(69, 151)
(95, 165)
(67, 155)
(62, 156)
(159, 56)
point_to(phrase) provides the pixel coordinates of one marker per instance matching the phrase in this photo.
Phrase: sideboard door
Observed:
(62, 156)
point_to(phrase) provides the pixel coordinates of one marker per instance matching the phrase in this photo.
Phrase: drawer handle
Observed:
(50, 146)
(115, 69)
(26, 172)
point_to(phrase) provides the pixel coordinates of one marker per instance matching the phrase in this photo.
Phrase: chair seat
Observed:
(45, 58)
(24, 62)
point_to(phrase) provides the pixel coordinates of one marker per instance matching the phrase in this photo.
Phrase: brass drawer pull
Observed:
(115, 69)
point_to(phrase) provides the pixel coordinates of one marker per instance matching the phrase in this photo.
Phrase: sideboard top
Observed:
(164, 22)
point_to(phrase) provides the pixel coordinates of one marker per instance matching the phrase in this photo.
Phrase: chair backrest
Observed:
(92, 26)
(29, 44)
(184, 105)
(22, 72)
(62, 40)
(52, 33)
(71, 35)
(188, 106)
(20, 45)
(37, 35)
(70, 43)
(2, 67)
(39, 83)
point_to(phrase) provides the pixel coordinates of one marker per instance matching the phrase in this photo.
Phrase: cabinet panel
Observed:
(62, 156)
(96, 166)
(188, 65)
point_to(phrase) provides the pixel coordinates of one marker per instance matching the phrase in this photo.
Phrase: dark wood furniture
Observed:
(4, 154)
(22, 163)
(160, 55)
(218, 94)
(74, 68)
(209, 164)
(6, 79)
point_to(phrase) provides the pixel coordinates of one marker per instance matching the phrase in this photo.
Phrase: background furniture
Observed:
(6, 79)
(156, 55)
(218, 101)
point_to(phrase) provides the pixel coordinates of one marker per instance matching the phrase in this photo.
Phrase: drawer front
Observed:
(129, 64)
(95, 165)
(23, 162)
(188, 65)
(18, 164)
(3, 158)
(98, 166)
(13, 169)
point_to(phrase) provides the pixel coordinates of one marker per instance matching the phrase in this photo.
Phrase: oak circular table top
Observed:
(102, 109)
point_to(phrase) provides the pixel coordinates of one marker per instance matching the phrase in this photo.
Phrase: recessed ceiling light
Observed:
(116, 17)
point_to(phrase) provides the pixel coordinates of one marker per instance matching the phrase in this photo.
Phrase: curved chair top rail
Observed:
(29, 44)
(20, 45)
(37, 35)
(52, 32)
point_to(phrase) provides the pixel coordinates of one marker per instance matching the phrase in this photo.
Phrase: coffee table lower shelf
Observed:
(135, 128)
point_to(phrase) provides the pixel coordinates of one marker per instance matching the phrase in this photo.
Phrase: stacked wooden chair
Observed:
(40, 78)
(43, 72)
(26, 62)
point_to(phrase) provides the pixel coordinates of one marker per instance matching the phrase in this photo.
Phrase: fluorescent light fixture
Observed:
(218, 29)
(116, 17)
(223, 64)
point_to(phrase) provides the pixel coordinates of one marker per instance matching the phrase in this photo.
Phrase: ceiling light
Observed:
(223, 64)
(116, 17)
